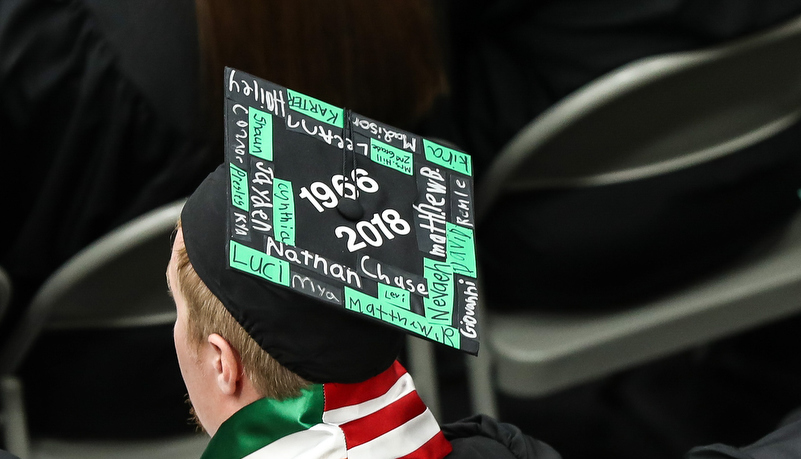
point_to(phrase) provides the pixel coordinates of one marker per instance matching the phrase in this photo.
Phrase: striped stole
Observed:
(380, 418)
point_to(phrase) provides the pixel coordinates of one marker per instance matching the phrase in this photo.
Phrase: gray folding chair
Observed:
(701, 105)
(117, 282)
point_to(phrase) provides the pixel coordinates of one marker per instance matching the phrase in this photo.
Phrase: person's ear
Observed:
(227, 366)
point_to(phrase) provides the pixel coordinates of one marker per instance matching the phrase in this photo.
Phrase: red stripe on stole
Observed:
(362, 430)
(341, 395)
(436, 448)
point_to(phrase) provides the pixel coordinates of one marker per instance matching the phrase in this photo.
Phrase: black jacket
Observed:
(783, 443)
(481, 437)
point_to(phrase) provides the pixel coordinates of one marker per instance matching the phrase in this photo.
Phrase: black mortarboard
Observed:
(323, 225)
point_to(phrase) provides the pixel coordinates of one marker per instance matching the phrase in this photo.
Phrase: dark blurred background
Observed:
(111, 109)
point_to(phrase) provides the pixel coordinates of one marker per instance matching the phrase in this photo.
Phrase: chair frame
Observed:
(48, 310)
(552, 352)
(534, 354)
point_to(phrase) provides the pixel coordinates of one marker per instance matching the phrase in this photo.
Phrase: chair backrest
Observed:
(117, 281)
(656, 115)
(5, 292)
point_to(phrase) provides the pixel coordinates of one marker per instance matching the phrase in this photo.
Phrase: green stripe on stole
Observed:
(265, 421)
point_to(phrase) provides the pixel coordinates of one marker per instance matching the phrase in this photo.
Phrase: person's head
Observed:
(222, 366)
(240, 338)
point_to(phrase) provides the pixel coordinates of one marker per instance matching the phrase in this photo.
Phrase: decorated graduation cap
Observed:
(328, 235)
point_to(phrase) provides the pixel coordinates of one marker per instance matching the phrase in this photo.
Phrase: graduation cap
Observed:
(328, 235)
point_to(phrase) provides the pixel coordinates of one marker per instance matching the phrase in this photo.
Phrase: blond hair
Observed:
(207, 315)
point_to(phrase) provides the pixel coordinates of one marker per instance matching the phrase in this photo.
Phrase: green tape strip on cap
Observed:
(315, 108)
(283, 212)
(261, 134)
(260, 264)
(366, 304)
(447, 157)
(461, 249)
(439, 303)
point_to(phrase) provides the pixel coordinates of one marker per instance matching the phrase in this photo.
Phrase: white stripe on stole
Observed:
(321, 441)
(400, 441)
(402, 386)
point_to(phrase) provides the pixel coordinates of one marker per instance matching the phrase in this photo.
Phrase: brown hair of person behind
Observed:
(207, 315)
(381, 59)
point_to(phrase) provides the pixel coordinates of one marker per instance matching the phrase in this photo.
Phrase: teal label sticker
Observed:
(447, 157)
(261, 134)
(439, 304)
(393, 295)
(251, 261)
(239, 188)
(316, 108)
(461, 250)
(283, 212)
(387, 155)
(366, 304)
